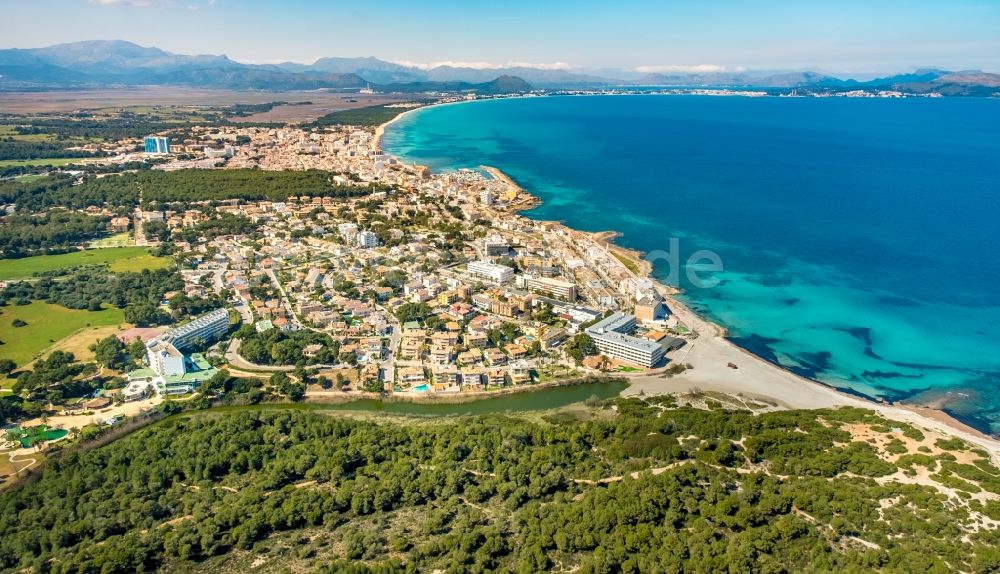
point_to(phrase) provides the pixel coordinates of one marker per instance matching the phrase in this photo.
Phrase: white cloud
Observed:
(697, 69)
(484, 65)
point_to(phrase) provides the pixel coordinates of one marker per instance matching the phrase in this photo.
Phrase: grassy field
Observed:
(628, 263)
(117, 258)
(55, 161)
(8, 467)
(118, 240)
(47, 324)
(78, 342)
(27, 178)
(8, 131)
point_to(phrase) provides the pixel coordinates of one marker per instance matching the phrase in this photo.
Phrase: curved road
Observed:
(236, 360)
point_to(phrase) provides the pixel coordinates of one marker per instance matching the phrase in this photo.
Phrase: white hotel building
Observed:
(559, 289)
(170, 371)
(366, 239)
(206, 328)
(492, 271)
(612, 336)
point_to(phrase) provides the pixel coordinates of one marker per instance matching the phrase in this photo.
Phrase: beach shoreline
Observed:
(376, 142)
(713, 354)
(380, 129)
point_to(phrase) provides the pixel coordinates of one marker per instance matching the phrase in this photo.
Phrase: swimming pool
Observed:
(28, 437)
(421, 388)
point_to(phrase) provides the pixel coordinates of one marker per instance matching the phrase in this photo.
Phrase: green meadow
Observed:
(55, 161)
(46, 325)
(118, 259)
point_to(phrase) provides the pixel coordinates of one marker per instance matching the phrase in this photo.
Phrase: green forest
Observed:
(367, 116)
(245, 184)
(138, 293)
(628, 486)
(182, 186)
(14, 149)
(51, 232)
(277, 347)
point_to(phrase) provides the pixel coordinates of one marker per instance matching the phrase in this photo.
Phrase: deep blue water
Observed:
(860, 237)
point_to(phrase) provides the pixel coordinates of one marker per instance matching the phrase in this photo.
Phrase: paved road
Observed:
(140, 236)
(287, 302)
(234, 358)
(388, 364)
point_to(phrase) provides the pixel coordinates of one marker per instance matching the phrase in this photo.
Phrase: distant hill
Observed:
(501, 85)
(371, 69)
(964, 83)
(536, 76)
(17, 65)
(742, 80)
(923, 75)
(118, 63)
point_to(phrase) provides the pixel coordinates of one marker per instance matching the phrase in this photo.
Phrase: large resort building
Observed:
(558, 288)
(156, 145)
(170, 370)
(205, 328)
(612, 336)
(492, 271)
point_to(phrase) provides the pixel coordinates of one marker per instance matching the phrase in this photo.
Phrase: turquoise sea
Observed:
(860, 238)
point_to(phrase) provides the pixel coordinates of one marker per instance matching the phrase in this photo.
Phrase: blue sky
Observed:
(855, 36)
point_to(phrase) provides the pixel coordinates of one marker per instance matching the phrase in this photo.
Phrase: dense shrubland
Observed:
(712, 491)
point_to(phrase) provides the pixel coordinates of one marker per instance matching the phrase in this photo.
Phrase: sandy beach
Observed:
(380, 130)
(710, 355)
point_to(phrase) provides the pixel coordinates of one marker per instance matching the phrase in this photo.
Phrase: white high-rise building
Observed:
(495, 245)
(165, 359)
(204, 328)
(560, 289)
(164, 352)
(347, 231)
(366, 239)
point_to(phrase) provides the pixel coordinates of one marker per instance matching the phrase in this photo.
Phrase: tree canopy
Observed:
(646, 488)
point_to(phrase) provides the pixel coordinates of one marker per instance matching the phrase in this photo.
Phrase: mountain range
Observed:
(119, 63)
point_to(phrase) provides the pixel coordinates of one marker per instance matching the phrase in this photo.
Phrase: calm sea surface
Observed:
(860, 237)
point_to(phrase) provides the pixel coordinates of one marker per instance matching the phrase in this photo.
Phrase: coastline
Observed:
(712, 353)
(376, 142)
(380, 130)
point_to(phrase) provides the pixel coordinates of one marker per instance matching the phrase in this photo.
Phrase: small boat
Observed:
(732, 366)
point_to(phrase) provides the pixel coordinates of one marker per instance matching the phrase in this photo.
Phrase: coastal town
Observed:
(404, 283)
(460, 294)
(410, 283)
(370, 288)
